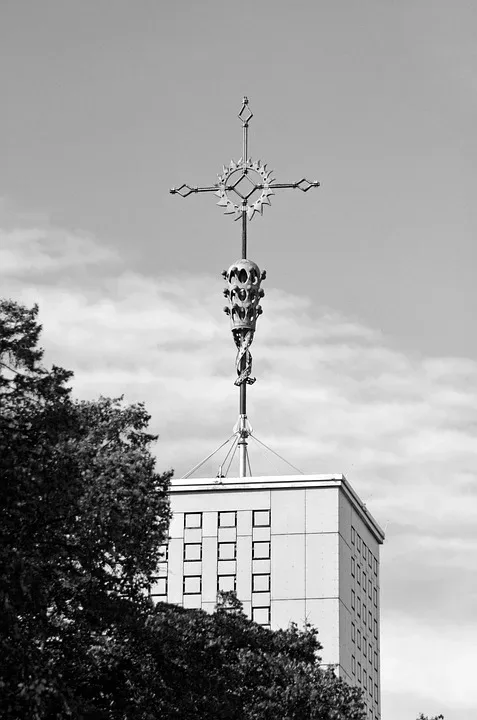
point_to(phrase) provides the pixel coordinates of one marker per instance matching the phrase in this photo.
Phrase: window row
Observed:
(260, 583)
(361, 610)
(364, 550)
(361, 644)
(364, 581)
(364, 679)
(228, 518)
(227, 551)
(192, 584)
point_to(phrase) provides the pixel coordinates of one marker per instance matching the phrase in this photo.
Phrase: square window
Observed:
(227, 550)
(261, 615)
(227, 583)
(353, 599)
(261, 582)
(164, 553)
(353, 632)
(192, 584)
(261, 518)
(359, 640)
(261, 550)
(193, 520)
(353, 664)
(192, 551)
(159, 586)
(353, 535)
(353, 567)
(228, 519)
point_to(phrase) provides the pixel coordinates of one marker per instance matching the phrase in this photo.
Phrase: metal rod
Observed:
(196, 467)
(275, 453)
(243, 393)
(245, 135)
(243, 387)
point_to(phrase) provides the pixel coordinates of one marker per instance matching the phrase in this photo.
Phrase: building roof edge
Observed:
(267, 482)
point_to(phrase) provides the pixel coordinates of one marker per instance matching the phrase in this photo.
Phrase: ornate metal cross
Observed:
(243, 189)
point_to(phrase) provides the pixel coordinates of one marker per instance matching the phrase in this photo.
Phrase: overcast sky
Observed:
(366, 355)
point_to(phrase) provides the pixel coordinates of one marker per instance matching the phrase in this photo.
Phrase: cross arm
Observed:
(184, 190)
(304, 185)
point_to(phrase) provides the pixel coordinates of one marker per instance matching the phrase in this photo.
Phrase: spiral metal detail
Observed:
(244, 293)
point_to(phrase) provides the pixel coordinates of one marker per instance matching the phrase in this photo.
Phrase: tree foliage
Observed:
(82, 517)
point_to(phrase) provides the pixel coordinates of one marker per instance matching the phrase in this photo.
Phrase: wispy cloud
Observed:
(333, 395)
(34, 251)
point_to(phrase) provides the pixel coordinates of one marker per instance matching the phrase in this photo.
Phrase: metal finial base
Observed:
(243, 429)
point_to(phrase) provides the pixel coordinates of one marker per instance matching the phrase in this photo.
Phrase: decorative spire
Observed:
(244, 188)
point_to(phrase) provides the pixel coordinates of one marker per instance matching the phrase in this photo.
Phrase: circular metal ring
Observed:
(224, 187)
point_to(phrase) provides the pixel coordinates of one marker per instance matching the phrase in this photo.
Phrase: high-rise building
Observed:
(299, 548)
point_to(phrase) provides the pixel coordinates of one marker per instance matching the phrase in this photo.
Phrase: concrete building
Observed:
(294, 548)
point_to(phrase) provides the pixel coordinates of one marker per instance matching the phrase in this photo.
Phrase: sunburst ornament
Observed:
(244, 186)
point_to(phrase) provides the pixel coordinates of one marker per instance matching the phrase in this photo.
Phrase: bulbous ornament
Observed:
(244, 293)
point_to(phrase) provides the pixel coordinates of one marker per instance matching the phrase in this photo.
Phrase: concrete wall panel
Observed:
(288, 512)
(322, 565)
(322, 509)
(286, 611)
(175, 571)
(209, 569)
(244, 565)
(324, 615)
(288, 567)
(223, 500)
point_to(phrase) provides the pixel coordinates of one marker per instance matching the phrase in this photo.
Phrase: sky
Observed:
(365, 356)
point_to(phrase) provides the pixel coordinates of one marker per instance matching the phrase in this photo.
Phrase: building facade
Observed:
(295, 549)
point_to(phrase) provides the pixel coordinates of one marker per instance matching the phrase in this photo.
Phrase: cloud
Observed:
(35, 251)
(444, 658)
(332, 395)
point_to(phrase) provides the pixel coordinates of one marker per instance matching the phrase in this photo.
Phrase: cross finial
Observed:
(244, 188)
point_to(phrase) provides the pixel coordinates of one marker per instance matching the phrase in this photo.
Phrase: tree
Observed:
(426, 717)
(191, 665)
(83, 514)
(82, 517)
